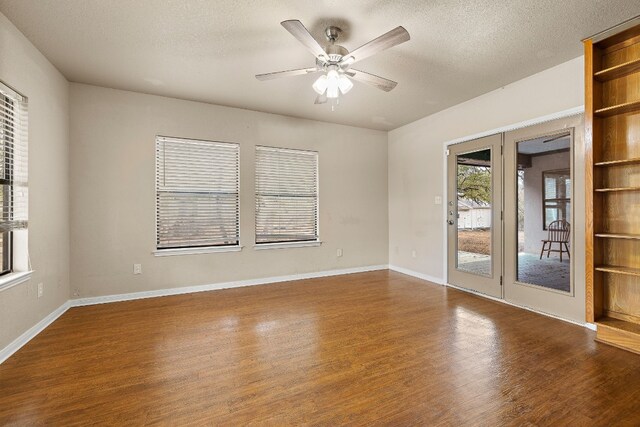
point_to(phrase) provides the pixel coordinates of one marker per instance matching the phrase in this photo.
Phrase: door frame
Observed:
(503, 129)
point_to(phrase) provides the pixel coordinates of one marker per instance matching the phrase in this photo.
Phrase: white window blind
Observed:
(286, 195)
(197, 203)
(14, 160)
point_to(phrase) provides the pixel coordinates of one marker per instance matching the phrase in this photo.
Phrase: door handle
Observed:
(450, 222)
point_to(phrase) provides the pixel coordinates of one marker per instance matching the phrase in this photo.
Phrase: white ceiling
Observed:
(210, 50)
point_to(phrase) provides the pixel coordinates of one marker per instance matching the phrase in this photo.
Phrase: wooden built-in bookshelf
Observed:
(612, 140)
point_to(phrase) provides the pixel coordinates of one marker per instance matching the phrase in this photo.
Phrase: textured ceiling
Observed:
(210, 50)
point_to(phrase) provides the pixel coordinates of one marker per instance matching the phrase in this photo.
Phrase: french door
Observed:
(474, 205)
(540, 176)
(511, 231)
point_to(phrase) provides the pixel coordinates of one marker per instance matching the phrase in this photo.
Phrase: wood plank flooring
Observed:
(377, 348)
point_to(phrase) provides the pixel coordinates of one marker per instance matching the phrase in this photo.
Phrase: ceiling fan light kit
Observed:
(333, 83)
(334, 61)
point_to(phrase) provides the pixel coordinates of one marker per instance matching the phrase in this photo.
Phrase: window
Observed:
(556, 186)
(13, 172)
(286, 195)
(197, 204)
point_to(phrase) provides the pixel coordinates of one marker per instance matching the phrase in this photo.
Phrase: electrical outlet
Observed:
(414, 254)
(339, 252)
(137, 268)
(438, 200)
(40, 290)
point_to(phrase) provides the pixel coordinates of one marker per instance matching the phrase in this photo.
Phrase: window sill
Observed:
(263, 246)
(196, 251)
(12, 279)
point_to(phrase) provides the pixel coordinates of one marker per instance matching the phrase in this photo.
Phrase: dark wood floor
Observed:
(371, 348)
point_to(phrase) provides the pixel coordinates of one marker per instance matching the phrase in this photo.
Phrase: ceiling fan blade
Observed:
(321, 99)
(371, 79)
(392, 38)
(300, 32)
(288, 73)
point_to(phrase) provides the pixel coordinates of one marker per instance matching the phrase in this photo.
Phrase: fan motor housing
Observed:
(335, 52)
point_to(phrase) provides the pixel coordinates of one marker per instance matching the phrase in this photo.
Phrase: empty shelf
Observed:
(608, 190)
(618, 236)
(617, 71)
(627, 107)
(622, 325)
(619, 162)
(629, 271)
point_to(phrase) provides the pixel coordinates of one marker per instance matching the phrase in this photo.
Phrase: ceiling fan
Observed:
(334, 61)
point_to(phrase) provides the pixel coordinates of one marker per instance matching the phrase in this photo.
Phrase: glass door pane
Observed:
(474, 212)
(544, 212)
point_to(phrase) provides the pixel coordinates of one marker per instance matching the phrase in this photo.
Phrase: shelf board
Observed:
(627, 107)
(621, 316)
(619, 333)
(628, 271)
(617, 71)
(619, 324)
(618, 236)
(619, 162)
(609, 190)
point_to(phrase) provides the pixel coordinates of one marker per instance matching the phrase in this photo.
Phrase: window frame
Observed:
(196, 249)
(299, 243)
(15, 242)
(558, 200)
(7, 253)
(7, 200)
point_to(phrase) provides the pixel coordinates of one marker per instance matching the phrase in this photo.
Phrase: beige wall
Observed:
(416, 162)
(25, 69)
(112, 136)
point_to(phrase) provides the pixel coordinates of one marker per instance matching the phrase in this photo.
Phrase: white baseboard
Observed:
(436, 280)
(216, 286)
(524, 307)
(17, 344)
